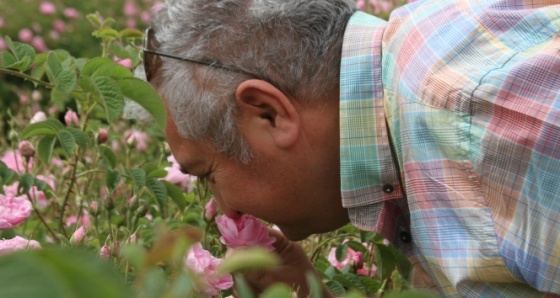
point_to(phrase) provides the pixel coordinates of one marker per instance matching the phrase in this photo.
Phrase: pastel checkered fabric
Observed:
(450, 141)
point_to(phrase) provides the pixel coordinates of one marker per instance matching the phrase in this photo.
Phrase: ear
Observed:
(267, 112)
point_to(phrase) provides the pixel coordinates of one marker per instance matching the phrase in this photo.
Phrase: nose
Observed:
(227, 211)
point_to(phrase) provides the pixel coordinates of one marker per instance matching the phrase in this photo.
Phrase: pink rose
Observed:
(125, 62)
(202, 263)
(14, 161)
(71, 117)
(70, 13)
(245, 231)
(105, 253)
(78, 235)
(59, 26)
(16, 243)
(47, 8)
(25, 35)
(210, 209)
(130, 8)
(139, 138)
(175, 176)
(3, 45)
(39, 44)
(13, 211)
(38, 117)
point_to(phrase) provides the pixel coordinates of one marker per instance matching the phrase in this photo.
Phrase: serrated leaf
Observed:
(341, 252)
(53, 66)
(111, 96)
(24, 55)
(80, 137)
(350, 281)
(67, 141)
(65, 81)
(138, 177)
(48, 127)
(371, 284)
(176, 194)
(336, 288)
(112, 179)
(56, 272)
(45, 148)
(159, 191)
(108, 156)
(144, 94)
(8, 59)
(386, 261)
(26, 182)
(100, 66)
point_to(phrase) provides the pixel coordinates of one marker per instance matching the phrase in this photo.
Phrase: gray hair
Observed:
(293, 44)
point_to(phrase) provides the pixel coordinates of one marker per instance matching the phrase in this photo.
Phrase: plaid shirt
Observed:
(450, 141)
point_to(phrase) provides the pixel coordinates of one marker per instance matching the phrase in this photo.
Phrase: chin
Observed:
(294, 234)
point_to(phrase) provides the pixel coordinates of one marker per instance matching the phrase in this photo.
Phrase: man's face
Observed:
(298, 190)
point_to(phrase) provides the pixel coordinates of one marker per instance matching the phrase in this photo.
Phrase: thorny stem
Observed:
(26, 76)
(67, 195)
(41, 217)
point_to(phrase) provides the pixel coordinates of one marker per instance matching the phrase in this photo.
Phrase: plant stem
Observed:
(41, 217)
(26, 76)
(67, 195)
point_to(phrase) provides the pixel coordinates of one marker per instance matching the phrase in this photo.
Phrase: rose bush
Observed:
(91, 186)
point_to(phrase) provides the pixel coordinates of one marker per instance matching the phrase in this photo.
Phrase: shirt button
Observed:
(388, 188)
(405, 237)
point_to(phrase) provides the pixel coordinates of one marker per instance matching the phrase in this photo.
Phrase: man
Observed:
(439, 129)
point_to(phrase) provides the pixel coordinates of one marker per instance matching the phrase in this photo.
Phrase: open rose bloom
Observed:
(16, 243)
(13, 211)
(246, 231)
(204, 265)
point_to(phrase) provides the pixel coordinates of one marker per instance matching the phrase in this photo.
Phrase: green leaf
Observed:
(61, 273)
(6, 174)
(26, 182)
(350, 281)
(341, 252)
(106, 67)
(65, 81)
(67, 141)
(139, 177)
(106, 33)
(159, 191)
(386, 261)
(277, 291)
(371, 284)
(45, 148)
(356, 246)
(176, 194)
(242, 287)
(135, 254)
(8, 59)
(111, 96)
(94, 19)
(49, 127)
(112, 179)
(254, 258)
(80, 137)
(336, 288)
(157, 173)
(108, 156)
(144, 94)
(53, 66)
(411, 294)
(131, 33)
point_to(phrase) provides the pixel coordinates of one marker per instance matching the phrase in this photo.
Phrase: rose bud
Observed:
(26, 149)
(103, 135)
